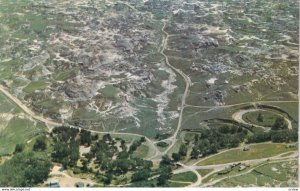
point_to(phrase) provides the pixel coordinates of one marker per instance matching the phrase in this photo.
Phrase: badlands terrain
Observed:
(206, 89)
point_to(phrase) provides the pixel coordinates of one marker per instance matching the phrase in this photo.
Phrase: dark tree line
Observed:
(180, 154)
(110, 160)
(136, 144)
(66, 146)
(40, 144)
(25, 170)
(209, 141)
(164, 171)
(279, 136)
(279, 133)
(279, 124)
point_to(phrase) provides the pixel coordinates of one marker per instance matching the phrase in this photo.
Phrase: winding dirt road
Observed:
(237, 104)
(238, 116)
(187, 80)
(26, 109)
(218, 167)
(190, 168)
(188, 83)
(243, 173)
(193, 168)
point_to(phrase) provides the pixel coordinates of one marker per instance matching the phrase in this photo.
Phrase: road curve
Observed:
(238, 116)
(26, 109)
(190, 168)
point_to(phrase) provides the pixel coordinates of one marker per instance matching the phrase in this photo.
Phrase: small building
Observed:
(53, 184)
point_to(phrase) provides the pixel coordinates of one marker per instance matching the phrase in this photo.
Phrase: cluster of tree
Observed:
(136, 144)
(279, 124)
(141, 175)
(40, 144)
(66, 146)
(106, 155)
(259, 137)
(181, 153)
(279, 136)
(162, 144)
(104, 150)
(64, 134)
(161, 136)
(25, 170)
(115, 161)
(141, 170)
(85, 137)
(211, 140)
(19, 148)
(284, 136)
(279, 133)
(164, 171)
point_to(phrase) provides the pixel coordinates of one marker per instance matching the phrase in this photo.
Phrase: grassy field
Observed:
(14, 127)
(85, 114)
(185, 177)
(291, 109)
(18, 131)
(142, 151)
(256, 152)
(277, 174)
(37, 85)
(7, 106)
(31, 142)
(243, 180)
(204, 172)
(275, 170)
(109, 91)
(64, 75)
(175, 148)
(177, 184)
(216, 176)
(267, 116)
